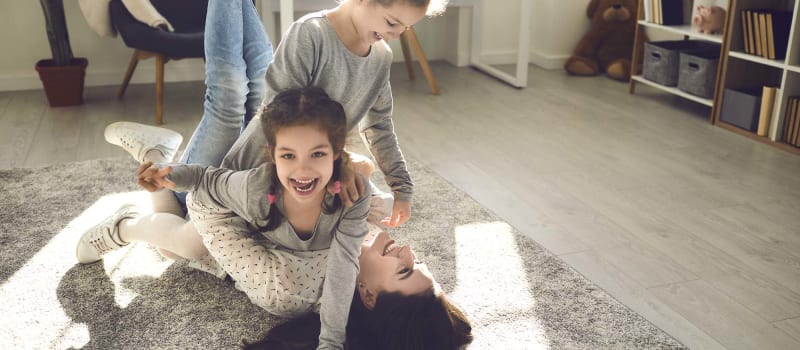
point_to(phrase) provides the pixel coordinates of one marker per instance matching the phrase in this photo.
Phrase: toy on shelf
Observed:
(709, 19)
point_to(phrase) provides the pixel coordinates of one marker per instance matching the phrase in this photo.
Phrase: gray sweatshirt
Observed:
(311, 53)
(245, 193)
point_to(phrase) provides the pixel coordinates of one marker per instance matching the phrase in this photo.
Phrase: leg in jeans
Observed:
(238, 52)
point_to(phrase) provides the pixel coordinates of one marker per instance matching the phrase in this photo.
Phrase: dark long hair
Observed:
(397, 322)
(304, 106)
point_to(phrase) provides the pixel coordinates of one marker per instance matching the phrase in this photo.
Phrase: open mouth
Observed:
(304, 186)
(378, 36)
(389, 247)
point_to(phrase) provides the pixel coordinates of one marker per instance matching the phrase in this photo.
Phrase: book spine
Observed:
(770, 35)
(776, 115)
(756, 32)
(795, 126)
(767, 100)
(745, 31)
(791, 110)
(762, 24)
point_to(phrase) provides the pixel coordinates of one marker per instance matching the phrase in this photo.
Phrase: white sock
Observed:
(164, 201)
(164, 231)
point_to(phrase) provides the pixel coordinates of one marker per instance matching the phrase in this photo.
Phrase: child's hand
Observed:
(351, 188)
(153, 178)
(401, 212)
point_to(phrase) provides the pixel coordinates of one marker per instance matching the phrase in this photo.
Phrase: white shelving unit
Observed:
(673, 90)
(687, 32)
(742, 70)
(685, 29)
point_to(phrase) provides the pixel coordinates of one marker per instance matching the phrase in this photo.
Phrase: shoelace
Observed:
(100, 244)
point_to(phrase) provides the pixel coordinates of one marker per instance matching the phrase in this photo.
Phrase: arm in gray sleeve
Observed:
(295, 60)
(340, 276)
(377, 130)
(239, 191)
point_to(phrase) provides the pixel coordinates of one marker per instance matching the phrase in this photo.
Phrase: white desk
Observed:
(286, 9)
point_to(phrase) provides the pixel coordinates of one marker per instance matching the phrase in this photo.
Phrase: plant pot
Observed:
(63, 84)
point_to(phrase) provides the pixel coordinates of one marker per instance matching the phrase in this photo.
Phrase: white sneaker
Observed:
(103, 237)
(137, 139)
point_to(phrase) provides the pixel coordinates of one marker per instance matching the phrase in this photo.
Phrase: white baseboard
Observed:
(550, 62)
(193, 70)
(184, 70)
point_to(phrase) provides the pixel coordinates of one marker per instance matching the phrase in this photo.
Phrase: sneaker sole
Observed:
(155, 135)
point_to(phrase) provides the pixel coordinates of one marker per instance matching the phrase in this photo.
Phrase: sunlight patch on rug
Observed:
(490, 273)
(38, 311)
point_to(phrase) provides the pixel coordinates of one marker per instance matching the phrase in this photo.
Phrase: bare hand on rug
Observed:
(153, 178)
(401, 212)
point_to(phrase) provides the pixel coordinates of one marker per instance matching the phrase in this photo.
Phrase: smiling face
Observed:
(304, 160)
(388, 267)
(374, 22)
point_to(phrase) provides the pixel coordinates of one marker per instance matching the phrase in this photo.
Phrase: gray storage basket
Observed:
(662, 59)
(741, 107)
(697, 74)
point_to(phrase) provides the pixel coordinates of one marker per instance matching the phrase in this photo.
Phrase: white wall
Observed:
(556, 26)
(24, 39)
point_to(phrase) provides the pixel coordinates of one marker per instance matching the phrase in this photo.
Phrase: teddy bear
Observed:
(608, 45)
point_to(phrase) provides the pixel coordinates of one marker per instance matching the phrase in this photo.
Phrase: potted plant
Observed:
(62, 75)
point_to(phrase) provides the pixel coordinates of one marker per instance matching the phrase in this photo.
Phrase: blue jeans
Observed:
(237, 51)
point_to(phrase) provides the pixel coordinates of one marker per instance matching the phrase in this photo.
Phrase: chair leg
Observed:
(423, 61)
(407, 56)
(160, 61)
(129, 73)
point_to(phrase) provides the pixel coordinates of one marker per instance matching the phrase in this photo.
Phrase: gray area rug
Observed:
(517, 295)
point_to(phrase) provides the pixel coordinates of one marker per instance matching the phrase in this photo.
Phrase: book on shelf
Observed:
(770, 36)
(790, 119)
(751, 32)
(762, 32)
(794, 131)
(648, 10)
(780, 23)
(765, 114)
(657, 11)
(792, 107)
(746, 31)
(778, 116)
(766, 32)
(671, 12)
(756, 31)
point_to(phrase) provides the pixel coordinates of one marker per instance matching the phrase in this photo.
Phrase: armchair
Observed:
(187, 17)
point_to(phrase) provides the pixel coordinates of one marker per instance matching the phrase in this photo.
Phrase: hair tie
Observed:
(271, 198)
(337, 186)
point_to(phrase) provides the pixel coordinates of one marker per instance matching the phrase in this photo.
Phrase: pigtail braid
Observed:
(274, 217)
(340, 167)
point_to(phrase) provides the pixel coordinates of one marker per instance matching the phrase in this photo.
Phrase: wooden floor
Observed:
(693, 227)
